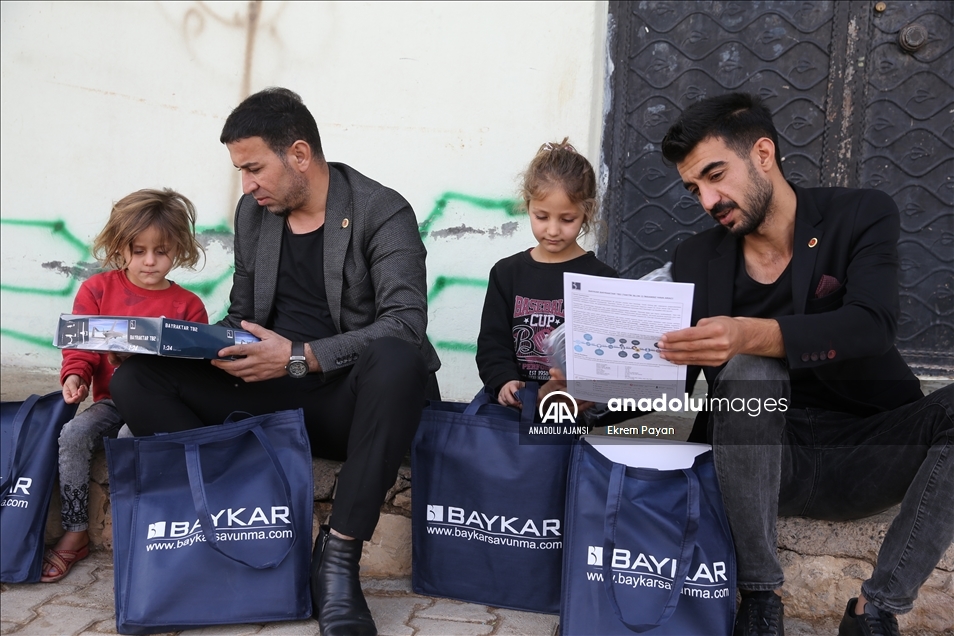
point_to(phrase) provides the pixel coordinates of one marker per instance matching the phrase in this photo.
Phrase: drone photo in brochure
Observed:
(156, 336)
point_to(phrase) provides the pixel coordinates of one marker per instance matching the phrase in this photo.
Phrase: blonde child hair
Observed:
(170, 212)
(559, 164)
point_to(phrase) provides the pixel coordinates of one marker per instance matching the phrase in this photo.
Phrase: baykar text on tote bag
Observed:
(212, 526)
(28, 466)
(648, 549)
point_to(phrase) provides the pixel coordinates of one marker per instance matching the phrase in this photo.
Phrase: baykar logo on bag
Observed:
(257, 526)
(594, 555)
(23, 487)
(706, 580)
(496, 530)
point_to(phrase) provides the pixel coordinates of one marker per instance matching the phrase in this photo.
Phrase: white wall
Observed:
(445, 102)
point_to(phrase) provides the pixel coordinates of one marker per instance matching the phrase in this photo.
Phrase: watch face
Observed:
(297, 368)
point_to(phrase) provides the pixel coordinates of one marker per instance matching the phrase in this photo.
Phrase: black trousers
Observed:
(366, 418)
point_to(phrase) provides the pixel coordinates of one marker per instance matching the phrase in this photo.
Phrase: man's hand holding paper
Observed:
(714, 341)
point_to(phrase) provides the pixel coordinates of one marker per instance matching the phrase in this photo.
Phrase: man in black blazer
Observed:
(330, 275)
(796, 306)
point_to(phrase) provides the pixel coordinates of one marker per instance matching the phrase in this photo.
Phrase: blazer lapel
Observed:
(722, 277)
(266, 264)
(339, 217)
(808, 234)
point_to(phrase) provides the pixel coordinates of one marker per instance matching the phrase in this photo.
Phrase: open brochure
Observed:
(157, 336)
(613, 326)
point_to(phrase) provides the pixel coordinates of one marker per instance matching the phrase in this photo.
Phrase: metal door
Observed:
(862, 94)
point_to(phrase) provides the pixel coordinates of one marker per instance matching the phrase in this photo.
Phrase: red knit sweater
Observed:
(111, 294)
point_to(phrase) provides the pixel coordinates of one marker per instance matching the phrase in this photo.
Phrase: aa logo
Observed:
(594, 555)
(557, 411)
(157, 530)
(435, 513)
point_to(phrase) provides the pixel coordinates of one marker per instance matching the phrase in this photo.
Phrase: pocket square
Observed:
(826, 285)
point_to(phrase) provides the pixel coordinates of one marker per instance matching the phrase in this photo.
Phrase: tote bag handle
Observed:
(614, 501)
(200, 499)
(527, 395)
(16, 448)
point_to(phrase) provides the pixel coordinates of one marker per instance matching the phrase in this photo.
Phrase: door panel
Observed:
(852, 105)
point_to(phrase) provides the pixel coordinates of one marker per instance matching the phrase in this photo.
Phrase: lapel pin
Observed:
(344, 224)
(811, 243)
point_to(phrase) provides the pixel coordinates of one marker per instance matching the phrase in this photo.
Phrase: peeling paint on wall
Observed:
(507, 206)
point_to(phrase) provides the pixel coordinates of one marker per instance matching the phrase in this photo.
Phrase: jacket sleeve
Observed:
(395, 257)
(77, 361)
(859, 319)
(242, 296)
(496, 360)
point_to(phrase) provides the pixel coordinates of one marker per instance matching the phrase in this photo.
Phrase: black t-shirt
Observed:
(524, 303)
(300, 311)
(757, 300)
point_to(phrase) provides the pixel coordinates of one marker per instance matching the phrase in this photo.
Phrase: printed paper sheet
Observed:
(613, 326)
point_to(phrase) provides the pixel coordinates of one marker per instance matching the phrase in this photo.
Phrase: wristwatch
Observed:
(297, 366)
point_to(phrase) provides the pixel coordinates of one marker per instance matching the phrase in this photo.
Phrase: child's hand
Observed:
(557, 382)
(508, 393)
(74, 390)
(116, 359)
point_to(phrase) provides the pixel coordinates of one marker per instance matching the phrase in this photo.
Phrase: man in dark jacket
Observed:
(329, 274)
(796, 304)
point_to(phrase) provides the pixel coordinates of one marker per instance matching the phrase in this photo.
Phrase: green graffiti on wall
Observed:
(58, 230)
(56, 238)
(508, 208)
(64, 243)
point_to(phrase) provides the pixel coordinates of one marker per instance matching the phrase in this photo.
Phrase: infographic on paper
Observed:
(613, 326)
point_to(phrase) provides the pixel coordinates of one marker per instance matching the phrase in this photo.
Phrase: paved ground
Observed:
(82, 603)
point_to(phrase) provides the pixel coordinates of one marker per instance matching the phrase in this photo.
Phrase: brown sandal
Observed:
(60, 562)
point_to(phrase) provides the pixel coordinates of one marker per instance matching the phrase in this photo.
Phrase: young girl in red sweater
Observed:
(149, 233)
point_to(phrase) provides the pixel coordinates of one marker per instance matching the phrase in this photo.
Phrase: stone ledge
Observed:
(825, 563)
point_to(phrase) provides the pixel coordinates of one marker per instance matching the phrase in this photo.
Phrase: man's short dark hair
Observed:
(739, 119)
(278, 116)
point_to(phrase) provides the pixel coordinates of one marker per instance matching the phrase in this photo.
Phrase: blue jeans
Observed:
(834, 466)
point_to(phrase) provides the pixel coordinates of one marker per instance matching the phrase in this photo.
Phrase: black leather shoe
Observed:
(878, 623)
(760, 614)
(339, 604)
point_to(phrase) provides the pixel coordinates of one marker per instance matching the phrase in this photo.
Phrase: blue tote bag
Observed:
(212, 526)
(647, 550)
(488, 505)
(29, 452)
